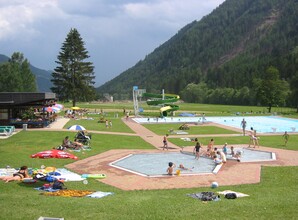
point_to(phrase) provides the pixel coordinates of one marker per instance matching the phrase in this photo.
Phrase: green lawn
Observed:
(162, 129)
(275, 197)
(94, 125)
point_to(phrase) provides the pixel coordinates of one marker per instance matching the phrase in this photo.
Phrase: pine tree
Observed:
(73, 77)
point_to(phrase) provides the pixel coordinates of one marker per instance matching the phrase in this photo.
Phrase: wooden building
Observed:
(18, 108)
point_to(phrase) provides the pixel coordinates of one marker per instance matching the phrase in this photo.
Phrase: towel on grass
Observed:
(47, 189)
(238, 194)
(77, 193)
(99, 194)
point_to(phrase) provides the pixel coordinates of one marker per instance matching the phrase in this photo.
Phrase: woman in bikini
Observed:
(209, 148)
(20, 175)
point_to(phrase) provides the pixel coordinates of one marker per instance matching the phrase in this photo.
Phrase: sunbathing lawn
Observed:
(275, 197)
(162, 129)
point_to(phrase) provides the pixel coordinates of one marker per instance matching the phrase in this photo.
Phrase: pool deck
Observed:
(231, 173)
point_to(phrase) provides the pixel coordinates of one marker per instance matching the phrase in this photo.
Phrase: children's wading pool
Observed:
(156, 164)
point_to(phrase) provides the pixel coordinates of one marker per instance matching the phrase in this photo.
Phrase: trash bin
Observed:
(25, 127)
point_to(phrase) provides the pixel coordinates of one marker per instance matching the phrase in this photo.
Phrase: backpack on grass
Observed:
(58, 185)
(231, 196)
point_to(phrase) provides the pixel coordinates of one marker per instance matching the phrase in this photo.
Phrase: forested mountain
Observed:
(43, 77)
(223, 57)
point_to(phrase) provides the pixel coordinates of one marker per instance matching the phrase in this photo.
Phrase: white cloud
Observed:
(117, 33)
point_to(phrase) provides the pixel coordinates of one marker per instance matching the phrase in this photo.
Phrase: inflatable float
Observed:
(94, 176)
(28, 180)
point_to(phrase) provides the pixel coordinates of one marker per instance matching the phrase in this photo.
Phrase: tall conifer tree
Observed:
(73, 77)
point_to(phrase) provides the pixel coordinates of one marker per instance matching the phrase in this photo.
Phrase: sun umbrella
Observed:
(54, 154)
(55, 109)
(75, 108)
(59, 106)
(76, 128)
(48, 109)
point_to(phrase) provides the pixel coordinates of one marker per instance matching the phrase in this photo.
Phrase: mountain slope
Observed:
(43, 77)
(227, 48)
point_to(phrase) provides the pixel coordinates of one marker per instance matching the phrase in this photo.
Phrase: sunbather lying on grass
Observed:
(20, 175)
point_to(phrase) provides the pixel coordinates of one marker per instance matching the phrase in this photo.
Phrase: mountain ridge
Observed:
(227, 48)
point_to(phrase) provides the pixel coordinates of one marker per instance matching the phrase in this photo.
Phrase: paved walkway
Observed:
(232, 173)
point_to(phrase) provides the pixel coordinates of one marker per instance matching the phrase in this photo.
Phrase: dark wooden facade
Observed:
(13, 104)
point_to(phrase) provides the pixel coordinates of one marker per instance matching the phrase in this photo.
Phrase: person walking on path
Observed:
(243, 125)
(165, 142)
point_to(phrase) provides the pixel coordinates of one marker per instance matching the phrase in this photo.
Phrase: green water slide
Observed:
(164, 101)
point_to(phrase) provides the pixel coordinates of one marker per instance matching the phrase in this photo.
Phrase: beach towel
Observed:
(47, 189)
(238, 194)
(99, 194)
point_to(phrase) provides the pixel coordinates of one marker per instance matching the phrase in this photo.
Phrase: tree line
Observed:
(16, 75)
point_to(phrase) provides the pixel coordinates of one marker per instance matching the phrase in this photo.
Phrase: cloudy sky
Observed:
(117, 33)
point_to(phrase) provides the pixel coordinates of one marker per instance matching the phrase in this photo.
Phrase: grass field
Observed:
(275, 197)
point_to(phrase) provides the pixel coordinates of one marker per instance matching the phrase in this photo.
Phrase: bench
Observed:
(3, 132)
(7, 130)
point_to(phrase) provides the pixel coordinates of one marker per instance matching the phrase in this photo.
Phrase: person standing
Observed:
(210, 147)
(165, 142)
(243, 125)
(286, 137)
(196, 149)
(225, 149)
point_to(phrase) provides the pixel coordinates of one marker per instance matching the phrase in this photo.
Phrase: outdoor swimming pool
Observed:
(253, 155)
(262, 124)
(156, 164)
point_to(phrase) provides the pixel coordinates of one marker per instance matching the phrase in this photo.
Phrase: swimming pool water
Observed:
(156, 164)
(253, 155)
(262, 124)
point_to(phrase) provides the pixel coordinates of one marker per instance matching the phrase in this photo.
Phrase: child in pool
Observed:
(170, 169)
(182, 167)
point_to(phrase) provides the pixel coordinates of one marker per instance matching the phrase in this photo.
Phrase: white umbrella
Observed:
(76, 128)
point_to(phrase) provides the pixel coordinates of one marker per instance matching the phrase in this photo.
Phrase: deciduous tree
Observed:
(272, 91)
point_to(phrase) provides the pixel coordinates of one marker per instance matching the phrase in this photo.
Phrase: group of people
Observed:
(72, 145)
(108, 124)
(253, 138)
(219, 156)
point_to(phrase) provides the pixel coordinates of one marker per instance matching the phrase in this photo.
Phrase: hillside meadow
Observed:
(273, 198)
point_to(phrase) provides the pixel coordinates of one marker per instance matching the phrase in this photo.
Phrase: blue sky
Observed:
(117, 33)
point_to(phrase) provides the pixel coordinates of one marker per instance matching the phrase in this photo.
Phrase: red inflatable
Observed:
(54, 154)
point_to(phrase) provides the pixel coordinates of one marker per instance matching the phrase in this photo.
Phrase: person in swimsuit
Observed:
(196, 149)
(165, 142)
(170, 169)
(210, 147)
(286, 137)
(20, 175)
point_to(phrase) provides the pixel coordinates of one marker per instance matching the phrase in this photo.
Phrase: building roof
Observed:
(27, 99)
